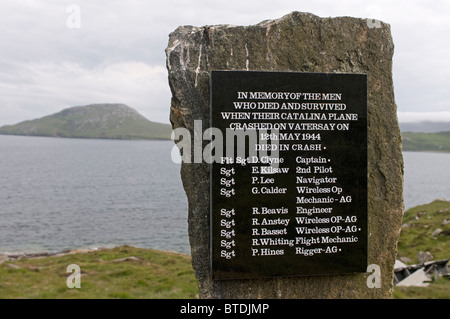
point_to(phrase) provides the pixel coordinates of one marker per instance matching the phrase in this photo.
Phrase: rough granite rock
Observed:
(299, 42)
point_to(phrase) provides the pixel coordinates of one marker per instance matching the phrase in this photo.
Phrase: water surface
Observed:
(58, 194)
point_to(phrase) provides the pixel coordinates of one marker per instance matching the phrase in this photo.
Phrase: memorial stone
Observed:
(312, 208)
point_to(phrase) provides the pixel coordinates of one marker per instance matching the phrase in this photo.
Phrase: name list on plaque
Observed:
(289, 182)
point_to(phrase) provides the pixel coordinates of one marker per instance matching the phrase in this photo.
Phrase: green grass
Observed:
(436, 290)
(436, 142)
(419, 224)
(156, 275)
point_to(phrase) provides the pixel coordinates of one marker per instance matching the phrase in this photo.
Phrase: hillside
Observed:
(425, 127)
(425, 236)
(426, 228)
(435, 142)
(105, 121)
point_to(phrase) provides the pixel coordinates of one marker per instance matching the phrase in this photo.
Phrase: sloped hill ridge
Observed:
(109, 121)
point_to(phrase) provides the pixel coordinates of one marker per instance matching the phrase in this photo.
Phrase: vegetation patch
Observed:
(426, 228)
(105, 274)
(431, 142)
(104, 121)
(425, 235)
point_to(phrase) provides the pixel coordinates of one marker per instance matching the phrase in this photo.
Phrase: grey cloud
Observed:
(47, 66)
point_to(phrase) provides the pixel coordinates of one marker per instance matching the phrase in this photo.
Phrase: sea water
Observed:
(58, 194)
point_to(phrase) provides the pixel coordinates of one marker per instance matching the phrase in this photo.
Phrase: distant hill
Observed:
(425, 127)
(105, 121)
(433, 142)
(426, 136)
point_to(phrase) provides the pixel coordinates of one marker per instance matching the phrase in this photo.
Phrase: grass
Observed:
(419, 224)
(436, 142)
(155, 275)
(436, 290)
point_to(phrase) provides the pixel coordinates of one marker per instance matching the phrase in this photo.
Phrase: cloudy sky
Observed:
(54, 56)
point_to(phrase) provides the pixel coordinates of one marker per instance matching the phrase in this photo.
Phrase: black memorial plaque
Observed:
(293, 200)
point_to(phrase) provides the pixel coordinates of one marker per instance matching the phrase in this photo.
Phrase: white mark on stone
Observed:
(373, 23)
(268, 29)
(170, 49)
(247, 61)
(197, 70)
(173, 46)
(188, 56)
(231, 55)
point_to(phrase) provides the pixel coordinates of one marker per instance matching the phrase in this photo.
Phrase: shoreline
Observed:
(24, 255)
(12, 256)
(4, 257)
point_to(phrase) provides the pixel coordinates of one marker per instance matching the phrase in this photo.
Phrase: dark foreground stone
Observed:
(305, 43)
